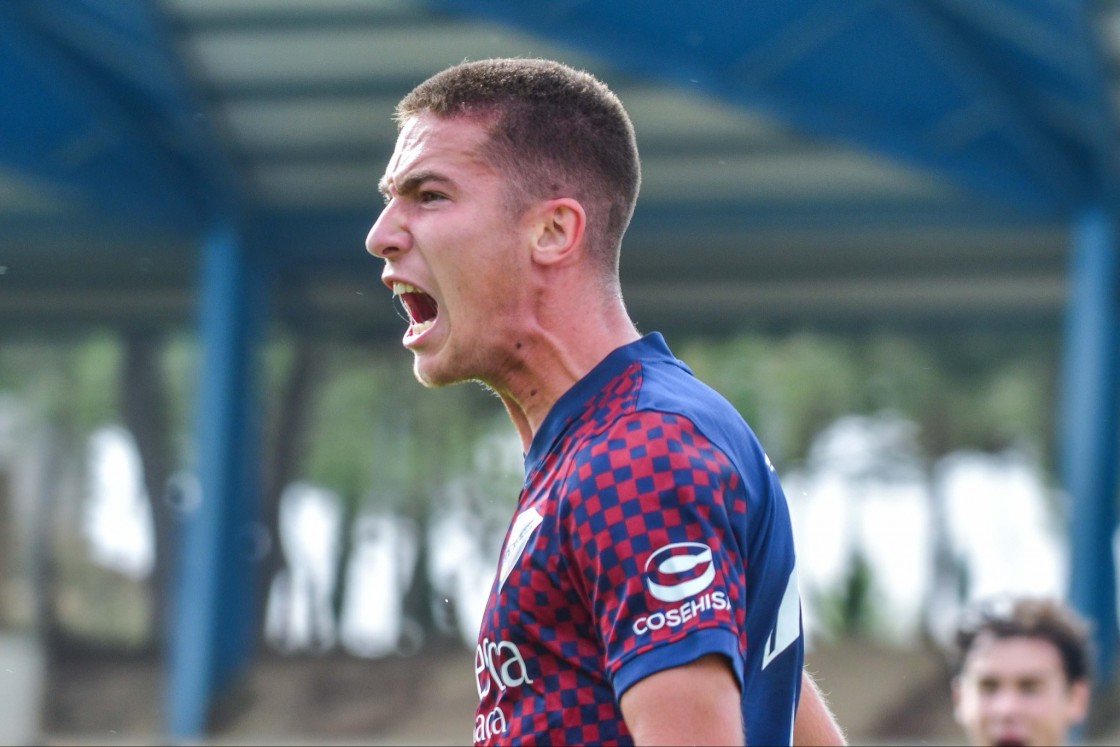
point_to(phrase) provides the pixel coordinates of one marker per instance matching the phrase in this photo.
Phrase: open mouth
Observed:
(420, 308)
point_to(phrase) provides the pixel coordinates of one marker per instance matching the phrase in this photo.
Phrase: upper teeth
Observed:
(399, 288)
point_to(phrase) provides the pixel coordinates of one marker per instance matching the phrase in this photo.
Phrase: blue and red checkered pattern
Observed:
(650, 531)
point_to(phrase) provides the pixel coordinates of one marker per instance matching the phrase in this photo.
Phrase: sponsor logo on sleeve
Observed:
(680, 572)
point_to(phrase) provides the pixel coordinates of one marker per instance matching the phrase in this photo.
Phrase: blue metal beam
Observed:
(1033, 51)
(96, 105)
(995, 121)
(213, 633)
(1090, 433)
(872, 73)
(77, 125)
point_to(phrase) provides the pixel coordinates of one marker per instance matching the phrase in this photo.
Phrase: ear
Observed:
(1078, 701)
(558, 231)
(956, 693)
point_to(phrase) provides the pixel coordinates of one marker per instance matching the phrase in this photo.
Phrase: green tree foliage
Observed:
(983, 391)
(72, 382)
(787, 389)
(971, 392)
(377, 431)
(978, 392)
(181, 368)
(851, 608)
(380, 440)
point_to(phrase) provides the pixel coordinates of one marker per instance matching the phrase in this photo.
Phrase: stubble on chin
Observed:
(423, 376)
(432, 375)
(455, 364)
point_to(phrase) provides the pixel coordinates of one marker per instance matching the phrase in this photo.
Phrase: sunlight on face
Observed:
(447, 233)
(1013, 691)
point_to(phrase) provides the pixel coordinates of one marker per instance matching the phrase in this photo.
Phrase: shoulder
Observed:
(650, 450)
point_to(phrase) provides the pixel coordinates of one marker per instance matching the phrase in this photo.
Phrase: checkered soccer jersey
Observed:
(651, 530)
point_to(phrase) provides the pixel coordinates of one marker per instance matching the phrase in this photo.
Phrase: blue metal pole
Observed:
(1089, 429)
(211, 636)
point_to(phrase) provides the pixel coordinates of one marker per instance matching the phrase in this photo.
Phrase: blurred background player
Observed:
(1022, 674)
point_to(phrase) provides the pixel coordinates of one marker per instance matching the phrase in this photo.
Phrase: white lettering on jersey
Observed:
(678, 616)
(787, 629)
(519, 535)
(489, 725)
(501, 662)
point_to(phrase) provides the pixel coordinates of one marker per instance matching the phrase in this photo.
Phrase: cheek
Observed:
(969, 706)
(501, 269)
(1046, 708)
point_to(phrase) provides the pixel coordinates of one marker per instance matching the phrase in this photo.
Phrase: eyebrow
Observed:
(411, 183)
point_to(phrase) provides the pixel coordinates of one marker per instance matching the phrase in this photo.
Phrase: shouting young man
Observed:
(647, 587)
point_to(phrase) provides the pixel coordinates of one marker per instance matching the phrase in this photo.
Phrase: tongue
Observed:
(421, 306)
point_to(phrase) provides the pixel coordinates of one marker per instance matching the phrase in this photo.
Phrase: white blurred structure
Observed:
(299, 603)
(118, 518)
(863, 489)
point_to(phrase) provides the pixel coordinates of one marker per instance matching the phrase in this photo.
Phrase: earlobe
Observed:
(1079, 701)
(559, 231)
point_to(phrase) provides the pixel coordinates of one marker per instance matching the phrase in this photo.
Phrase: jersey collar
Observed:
(573, 403)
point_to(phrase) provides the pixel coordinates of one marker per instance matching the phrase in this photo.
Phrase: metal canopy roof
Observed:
(802, 161)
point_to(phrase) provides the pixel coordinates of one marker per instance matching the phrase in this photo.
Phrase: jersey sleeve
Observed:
(648, 516)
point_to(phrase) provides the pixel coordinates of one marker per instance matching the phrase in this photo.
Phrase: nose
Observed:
(388, 236)
(1005, 703)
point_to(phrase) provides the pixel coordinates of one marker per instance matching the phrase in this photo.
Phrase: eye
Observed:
(429, 196)
(988, 687)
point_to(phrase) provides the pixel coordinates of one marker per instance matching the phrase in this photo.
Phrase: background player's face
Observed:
(1014, 691)
(448, 233)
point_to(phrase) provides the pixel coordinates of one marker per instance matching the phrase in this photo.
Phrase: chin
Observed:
(445, 363)
(424, 376)
(429, 373)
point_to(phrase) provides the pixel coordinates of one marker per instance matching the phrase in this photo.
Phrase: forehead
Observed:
(1016, 656)
(443, 147)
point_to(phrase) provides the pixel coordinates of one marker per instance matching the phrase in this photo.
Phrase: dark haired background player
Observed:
(1023, 673)
(647, 588)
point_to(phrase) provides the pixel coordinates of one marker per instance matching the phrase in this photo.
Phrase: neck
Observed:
(551, 358)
